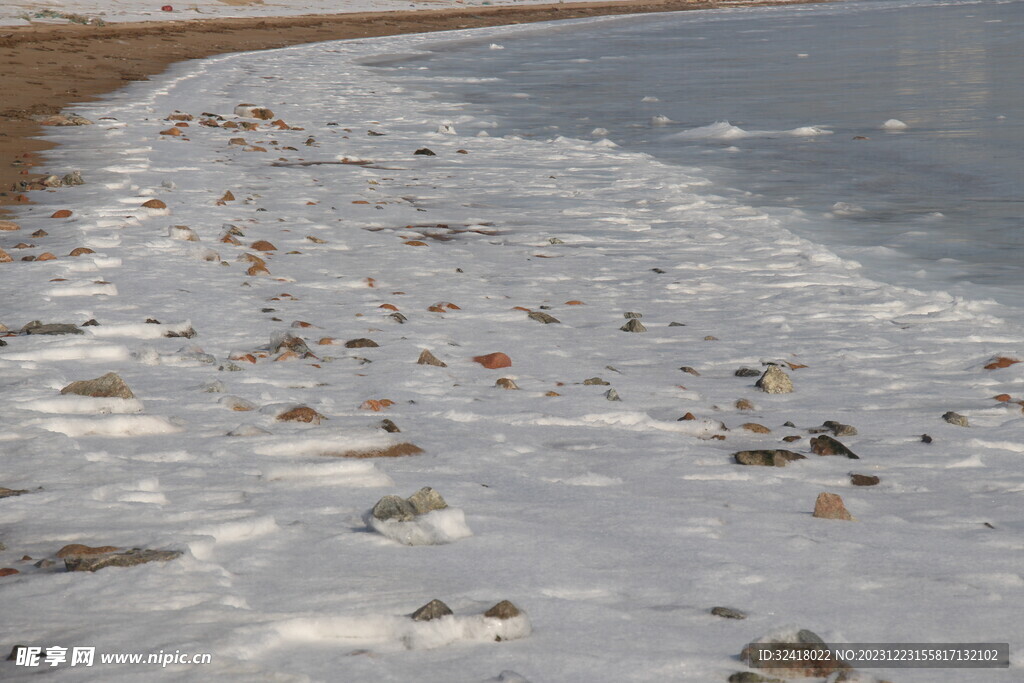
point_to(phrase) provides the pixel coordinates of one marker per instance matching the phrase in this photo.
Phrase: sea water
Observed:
(891, 131)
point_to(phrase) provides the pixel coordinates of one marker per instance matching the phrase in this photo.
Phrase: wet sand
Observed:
(49, 67)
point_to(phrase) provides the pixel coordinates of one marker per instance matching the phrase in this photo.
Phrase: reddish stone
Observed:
(687, 417)
(493, 361)
(390, 307)
(263, 245)
(228, 197)
(360, 201)
(78, 251)
(756, 428)
(574, 302)
(522, 308)
(795, 366)
(414, 243)
(552, 393)
(301, 414)
(228, 238)
(326, 341)
(830, 506)
(257, 269)
(1000, 362)
(78, 550)
(376, 405)
(1003, 398)
(9, 225)
(8, 571)
(154, 204)
(63, 213)
(5, 257)
(46, 256)
(171, 131)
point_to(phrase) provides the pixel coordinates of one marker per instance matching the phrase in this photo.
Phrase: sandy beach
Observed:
(54, 66)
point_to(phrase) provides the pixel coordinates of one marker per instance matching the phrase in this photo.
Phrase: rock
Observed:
(154, 204)
(188, 332)
(183, 233)
(630, 315)
(812, 666)
(864, 480)
(427, 358)
(263, 245)
(397, 450)
(751, 677)
(747, 372)
(36, 327)
(8, 571)
(542, 317)
(687, 369)
(46, 256)
(394, 507)
(595, 381)
(925, 438)
(826, 445)
(398, 318)
(506, 383)
(955, 419)
(40, 233)
(775, 381)
(8, 493)
(633, 325)
(686, 417)
(1000, 362)
(435, 609)
(423, 151)
(133, 557)
(837, 428)
(389, 426)
(301, 414)
(65, 120)
(5, 257)
(744, 404)
(767, 458)
(79, 251)
(503, 610)
(252, 111)
(8, 226)
(361, 343)
(830, 506)
(427, 500)
(288, 342)
(612, 395)
(728, 613)
(109, 385)
(61, 213)
(493, 361)
(79, 550)
(791, 439)
(756, 428)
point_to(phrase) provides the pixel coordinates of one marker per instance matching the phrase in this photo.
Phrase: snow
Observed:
(613, 525)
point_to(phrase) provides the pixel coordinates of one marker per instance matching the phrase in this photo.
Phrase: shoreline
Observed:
(49, 72)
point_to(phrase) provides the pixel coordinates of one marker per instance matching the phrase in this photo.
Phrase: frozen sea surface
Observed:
(788, 108)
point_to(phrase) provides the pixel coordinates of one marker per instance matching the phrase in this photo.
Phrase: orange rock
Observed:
(245, 356)
(370, 282)
(1003, 398)
(178, 116)
(263, 245)
(744, 404)
(46, 256)
(257, 269)
(449, 305)
(795, 366)
(181, 124)
(521, 308)
(5, 257)
(326, 341)
(228, 238)
(78, 550)
(493, 361)
(155, 204)
(40, 233)
(688, 416)
(574, 302)
(63, 213)
(78, 251)
(436, 309)
(830, 506)
(230, 124)
(360, 201)
(8, 571)
(287, 355)
(552, 393)
(255, 148)
(9, 225)
(376, 405)
(228, 197)
(301, 414)
(390, 307)
(58, 279)
(1000, 362)
(756, 428)
(414, 243)
(396, 451)
(171, 131)
(301, 323)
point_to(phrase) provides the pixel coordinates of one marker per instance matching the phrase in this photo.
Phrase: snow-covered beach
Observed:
(363, 209)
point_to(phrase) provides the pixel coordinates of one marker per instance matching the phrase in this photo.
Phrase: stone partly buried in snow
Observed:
(837, 429)
(301, 414)
(634, 325)
(792, 655)
(830, 506)
(776, 458)
(406, 509)
(493, 361)
(109, 385)
(542, 317)
(955, 419)
(775, 381)
(427, 358)
(36, 327)
(503, 610)
(435, 609)
(361, 343)
(131, 558)
(826, 445)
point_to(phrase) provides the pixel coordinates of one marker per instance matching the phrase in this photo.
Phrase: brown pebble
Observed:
(830, 506)
(864, 480)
